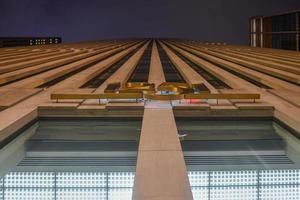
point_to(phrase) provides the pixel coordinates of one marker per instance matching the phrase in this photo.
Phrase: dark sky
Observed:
(80, 20)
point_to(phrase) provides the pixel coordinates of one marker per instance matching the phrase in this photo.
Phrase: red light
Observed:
(195, 100)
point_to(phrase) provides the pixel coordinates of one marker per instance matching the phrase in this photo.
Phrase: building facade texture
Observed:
(149, 119)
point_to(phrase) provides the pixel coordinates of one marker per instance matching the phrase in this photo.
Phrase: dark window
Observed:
(213, 80)
(98, 80)
(141, 71)
(284, 41)
(285, 22)
(170, 71)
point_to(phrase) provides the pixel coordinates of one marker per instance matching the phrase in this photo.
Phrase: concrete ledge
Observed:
(254, 106)
(125, 106)
(200, 106)
(137, 109)
(225, 113)
(234, 101)
(223, 107)
(58, 105)
(17, 124)
(88, 111)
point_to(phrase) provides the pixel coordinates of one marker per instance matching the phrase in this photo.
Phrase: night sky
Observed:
(81, 20)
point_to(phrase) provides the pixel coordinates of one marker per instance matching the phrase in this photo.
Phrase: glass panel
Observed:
(120, 179)
(280, 192)
(29, 179)
(170, 71)
(29, 194)
(286, 22)
(284, 41)
(272, 185)
(117, 194)
(89, 130)
(1, 189)
(233, 193)
(246, 184)
(270, 177)
(141, 70)
(232, 142)
(200, 193)
(68, 185)
(233, 178)
(81, 179)
(81, 194)
(198, 178)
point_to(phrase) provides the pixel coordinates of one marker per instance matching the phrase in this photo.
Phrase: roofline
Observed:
(287, 12)
(283, 13)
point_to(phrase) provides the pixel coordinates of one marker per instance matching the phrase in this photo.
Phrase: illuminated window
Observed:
(206, 185)
(268, 177)
(118, 193)
(200, 193)
(28, 194)
(233, 193)
(120, 179)
(29, 179)
(81, 179)
(81, 194)
(246, 184)
(67, 185)
(278, 192)
(233, 178)
(198, 178)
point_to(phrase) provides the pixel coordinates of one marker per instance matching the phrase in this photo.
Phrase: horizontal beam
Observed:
(153, 96)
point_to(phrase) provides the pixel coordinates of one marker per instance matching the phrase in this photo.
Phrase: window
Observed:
(67, 185)
(246, 184)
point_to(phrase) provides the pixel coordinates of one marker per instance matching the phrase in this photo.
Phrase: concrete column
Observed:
(161, 172)
(156, 73)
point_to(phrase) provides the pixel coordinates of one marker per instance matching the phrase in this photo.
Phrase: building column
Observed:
(156, 73)
(160, 172)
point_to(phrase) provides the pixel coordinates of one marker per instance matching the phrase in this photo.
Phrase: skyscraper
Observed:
(278, 31)
(149, 119)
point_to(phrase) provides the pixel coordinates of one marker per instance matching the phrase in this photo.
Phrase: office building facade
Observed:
(279, 31)
(149, 119)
